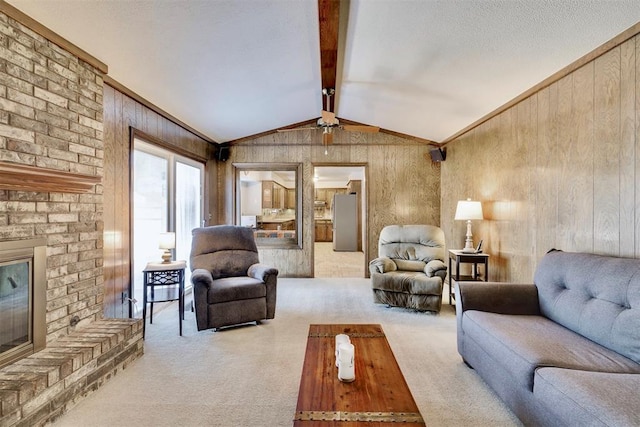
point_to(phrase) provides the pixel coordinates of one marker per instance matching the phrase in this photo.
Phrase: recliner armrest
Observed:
(202, 277)
(202, 281)
(261, 272)
(435, 266)
(497, 297)
(382, 265)
(269, 276)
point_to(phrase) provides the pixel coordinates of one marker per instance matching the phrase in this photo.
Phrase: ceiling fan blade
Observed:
(295, 129)
(361, 128)
(328, 117)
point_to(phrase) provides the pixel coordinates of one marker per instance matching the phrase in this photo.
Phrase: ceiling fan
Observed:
(328, 122)
(332, 22)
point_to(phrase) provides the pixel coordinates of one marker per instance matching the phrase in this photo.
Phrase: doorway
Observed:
(339, 220)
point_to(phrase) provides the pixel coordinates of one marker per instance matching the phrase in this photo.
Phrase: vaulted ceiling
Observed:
(424, 68)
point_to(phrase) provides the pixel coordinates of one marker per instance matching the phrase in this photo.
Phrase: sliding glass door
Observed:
(188, 205)
(167, 196)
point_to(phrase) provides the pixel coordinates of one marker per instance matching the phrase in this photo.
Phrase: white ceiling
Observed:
(336, 176)
(425, 68)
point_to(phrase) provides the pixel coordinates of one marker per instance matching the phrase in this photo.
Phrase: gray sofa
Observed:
(564, 350)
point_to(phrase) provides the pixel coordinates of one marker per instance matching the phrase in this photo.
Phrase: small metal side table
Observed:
(467, 258)
(163, 282)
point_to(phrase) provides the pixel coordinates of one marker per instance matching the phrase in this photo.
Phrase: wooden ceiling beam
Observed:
(329, 20)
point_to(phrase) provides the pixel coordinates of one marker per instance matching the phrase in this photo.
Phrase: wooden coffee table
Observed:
(378, 397)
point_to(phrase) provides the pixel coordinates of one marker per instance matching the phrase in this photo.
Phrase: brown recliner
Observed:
(230, 286)
(410, 270)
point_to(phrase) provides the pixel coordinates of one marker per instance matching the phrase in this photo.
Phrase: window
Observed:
(268, 199)
(167, 196)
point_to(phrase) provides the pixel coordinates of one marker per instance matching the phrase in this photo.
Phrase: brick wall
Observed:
(51, 117)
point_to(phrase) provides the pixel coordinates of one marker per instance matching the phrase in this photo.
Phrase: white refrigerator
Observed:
(345, 223)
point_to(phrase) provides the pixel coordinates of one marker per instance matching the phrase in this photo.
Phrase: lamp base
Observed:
(468, 241)
(468, 247)
(166, 256)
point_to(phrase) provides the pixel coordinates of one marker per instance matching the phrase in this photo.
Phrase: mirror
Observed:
(268, 200)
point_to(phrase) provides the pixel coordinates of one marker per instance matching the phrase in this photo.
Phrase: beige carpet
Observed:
(329, 263)
(249, 376)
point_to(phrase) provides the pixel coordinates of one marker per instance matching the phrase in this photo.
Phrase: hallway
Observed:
(329, 263)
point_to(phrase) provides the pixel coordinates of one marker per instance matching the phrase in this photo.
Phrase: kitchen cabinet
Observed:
(326, 194)
(274, 195)
(278, 224)
(291, 199)
(277, 197)
(324, 230)
(267, 194)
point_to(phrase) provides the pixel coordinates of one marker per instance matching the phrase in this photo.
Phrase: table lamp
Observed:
(167, 242)
(468, 210)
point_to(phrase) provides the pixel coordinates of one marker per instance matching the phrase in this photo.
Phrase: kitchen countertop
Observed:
(275, 220)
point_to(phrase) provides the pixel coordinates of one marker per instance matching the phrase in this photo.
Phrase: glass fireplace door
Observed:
(14, 305)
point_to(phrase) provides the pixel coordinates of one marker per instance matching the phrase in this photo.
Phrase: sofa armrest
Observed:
(435, 267)
(493, 297)
(497, 297)
(382, 265)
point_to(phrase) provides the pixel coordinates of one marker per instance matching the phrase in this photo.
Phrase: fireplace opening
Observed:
(22, 299)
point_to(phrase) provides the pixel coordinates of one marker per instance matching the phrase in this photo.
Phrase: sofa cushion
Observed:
(235, 288)
(589, 398)
(523, 343)
(596, 296)
(411, 282)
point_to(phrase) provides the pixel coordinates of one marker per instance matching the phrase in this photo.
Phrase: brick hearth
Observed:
(41, 387)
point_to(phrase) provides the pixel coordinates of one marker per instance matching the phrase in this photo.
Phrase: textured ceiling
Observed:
(425, 68)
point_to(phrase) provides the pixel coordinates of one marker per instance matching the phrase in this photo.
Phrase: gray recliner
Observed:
(230, 286)
(410, 270)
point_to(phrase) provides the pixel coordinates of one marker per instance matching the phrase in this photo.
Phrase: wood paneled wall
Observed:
(402, 184)
(121, 113)
(557, 170)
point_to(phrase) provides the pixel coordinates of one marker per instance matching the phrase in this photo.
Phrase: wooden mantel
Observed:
(14, 176)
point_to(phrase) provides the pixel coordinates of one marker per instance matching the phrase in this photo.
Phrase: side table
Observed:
(163, 282)
(467, 258)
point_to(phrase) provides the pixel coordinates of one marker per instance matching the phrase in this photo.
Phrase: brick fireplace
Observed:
(51, 164)
(51, 129)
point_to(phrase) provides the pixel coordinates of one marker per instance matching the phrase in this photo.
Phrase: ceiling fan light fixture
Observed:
(327, 138)
(328, 91)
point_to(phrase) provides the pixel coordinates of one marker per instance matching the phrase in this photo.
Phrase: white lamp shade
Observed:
(167, 240)
(468, 209)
